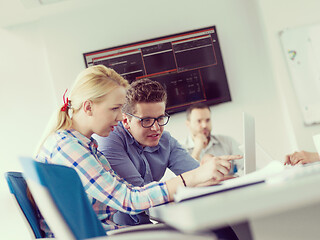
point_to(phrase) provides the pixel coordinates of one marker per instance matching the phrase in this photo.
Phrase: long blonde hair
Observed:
(93, 84)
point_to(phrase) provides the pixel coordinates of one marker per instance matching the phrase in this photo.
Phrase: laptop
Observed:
(316, 141)
(249, 143)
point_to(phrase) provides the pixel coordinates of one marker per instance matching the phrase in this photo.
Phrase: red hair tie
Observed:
(65, 102)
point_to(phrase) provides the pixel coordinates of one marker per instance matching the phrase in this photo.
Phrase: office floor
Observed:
(12, 225)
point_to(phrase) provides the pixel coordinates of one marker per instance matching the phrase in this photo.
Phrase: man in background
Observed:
(201, 142)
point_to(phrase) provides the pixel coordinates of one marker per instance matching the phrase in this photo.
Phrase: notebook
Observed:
(272, 169)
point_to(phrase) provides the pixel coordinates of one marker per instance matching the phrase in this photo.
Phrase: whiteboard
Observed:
(301, 48)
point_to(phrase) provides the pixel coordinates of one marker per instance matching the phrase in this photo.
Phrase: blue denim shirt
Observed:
(141, 165)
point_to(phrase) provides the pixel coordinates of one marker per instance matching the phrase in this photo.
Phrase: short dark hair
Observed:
(143, 91)
(196, 106)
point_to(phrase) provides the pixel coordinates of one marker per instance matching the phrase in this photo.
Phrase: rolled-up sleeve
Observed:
(180, 160)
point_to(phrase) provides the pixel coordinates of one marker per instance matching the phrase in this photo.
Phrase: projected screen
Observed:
(189, 65)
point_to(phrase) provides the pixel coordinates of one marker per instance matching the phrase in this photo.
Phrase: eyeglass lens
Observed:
(148, 122)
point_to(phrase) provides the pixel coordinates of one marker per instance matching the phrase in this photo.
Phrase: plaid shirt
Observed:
(106, 190)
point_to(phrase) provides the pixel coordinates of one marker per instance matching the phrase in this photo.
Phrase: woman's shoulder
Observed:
(59, 141)
(60, 137)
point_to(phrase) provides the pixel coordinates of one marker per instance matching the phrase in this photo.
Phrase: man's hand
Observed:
(208, 157)
(200, 142)
(302, 157)
(216, 167)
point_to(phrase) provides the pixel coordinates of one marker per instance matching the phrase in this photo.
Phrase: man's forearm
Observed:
(196, 154)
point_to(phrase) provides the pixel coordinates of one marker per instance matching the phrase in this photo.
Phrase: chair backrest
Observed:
(18, 188)
(60, 196)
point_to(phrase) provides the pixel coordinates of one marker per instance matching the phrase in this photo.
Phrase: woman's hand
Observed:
(302, 157)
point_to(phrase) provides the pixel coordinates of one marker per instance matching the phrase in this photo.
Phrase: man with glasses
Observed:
(139, 150)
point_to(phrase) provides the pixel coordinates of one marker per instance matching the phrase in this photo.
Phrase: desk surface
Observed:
(239, 205)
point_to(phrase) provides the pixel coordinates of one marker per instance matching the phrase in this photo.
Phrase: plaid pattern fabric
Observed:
(106, 190)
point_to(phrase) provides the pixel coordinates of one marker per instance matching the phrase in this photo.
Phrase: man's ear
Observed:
(125, 121)
(87, 107)
(188, 123)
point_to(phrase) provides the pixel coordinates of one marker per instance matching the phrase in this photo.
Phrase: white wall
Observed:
(241, 35)
(27, 101)
(279, 15)
(39, 60)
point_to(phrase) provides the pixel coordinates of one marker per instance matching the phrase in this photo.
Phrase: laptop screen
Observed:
(249, 143)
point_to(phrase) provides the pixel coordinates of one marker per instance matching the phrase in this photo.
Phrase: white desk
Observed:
(286, 210)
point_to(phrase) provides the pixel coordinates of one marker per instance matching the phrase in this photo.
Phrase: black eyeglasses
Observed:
(149, 121)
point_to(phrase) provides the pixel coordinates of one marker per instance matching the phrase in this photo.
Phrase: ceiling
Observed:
(15, 12)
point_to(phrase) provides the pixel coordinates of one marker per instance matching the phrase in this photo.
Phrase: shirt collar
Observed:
(131, 138)
(213, 141)
(190, 143)
(90, 142)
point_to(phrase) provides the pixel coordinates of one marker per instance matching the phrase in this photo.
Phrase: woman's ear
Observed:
(125, 121)
(87, 107)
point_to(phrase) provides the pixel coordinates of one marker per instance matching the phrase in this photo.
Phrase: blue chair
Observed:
(18, 188)
(66, 210)
(60, 196)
